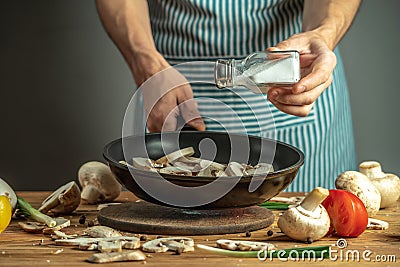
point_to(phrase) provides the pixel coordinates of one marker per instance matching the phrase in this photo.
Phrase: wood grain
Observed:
(18, 248)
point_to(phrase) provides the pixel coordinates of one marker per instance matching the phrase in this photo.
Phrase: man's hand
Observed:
(317, 62)
(167, 95)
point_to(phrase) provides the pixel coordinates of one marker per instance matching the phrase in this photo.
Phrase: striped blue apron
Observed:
(193, 30)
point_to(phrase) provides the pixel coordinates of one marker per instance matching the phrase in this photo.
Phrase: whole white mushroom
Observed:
(307, 221)
(388, 184)
(98, 183)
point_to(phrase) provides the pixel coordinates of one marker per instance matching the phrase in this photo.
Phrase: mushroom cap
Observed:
(301, 225)
(389, 188)
(362, 187)
(99, 177)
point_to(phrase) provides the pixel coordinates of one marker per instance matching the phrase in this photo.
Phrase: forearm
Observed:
(127, 23)
(329, 18)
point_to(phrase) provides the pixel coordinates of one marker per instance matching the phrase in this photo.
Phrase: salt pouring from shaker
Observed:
(259, 71)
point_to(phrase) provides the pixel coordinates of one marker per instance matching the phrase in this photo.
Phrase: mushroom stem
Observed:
(90, 194)
(314, 198)
(372, 169)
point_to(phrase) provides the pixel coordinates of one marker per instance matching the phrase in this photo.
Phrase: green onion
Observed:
(275, 205)
(319, 252)
(36, 215)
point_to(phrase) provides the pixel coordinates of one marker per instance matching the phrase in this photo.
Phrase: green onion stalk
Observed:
(275, 205)
(33, 213)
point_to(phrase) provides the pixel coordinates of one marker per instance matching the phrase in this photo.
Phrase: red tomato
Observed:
(347, 212)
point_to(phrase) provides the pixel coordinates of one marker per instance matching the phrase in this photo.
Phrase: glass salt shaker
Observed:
(259, 71)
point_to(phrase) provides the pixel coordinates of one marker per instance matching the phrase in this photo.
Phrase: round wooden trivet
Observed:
(148, 218)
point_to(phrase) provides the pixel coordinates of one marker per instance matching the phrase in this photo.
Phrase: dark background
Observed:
(65, 87)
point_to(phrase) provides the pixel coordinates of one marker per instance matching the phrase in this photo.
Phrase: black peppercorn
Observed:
(270, 233)
(309, 240)
(82, 219)
(90, 223)
(248, 234)
(143, 237)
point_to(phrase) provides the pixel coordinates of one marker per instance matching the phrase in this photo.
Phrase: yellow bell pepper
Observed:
(5, 213)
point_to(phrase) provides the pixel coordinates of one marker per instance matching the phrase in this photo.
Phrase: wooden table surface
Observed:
(18, 248)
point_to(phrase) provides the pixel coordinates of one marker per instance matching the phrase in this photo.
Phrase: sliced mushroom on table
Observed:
(135, 255)
(176, 244)
(101, 231)
(37, 227)
(64, 200)
(244, 245)
(92, 243)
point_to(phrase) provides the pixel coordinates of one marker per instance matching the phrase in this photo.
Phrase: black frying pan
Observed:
(228, 147)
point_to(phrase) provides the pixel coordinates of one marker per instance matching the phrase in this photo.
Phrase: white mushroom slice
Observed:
(170, 158)
(64, 200)
(36, 227)
(190, 160)
(187, 167)
(234, 169)
(261, 168)
(243, 245)
(251, 245)
(227, 244)
(146, 164)
(135, 255)
(205, 172)
(94, 240)
(98, 183)
(142, 163)
(131, 244)
(159, 244)
(62, 235)
(123, 162)
(375, 224)
(88, 246)
(204, 163)
(176, 246)
(109, 246)
(219, 173)
(101, 231)
(361, 186)
(32, 227)
(175, 171)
